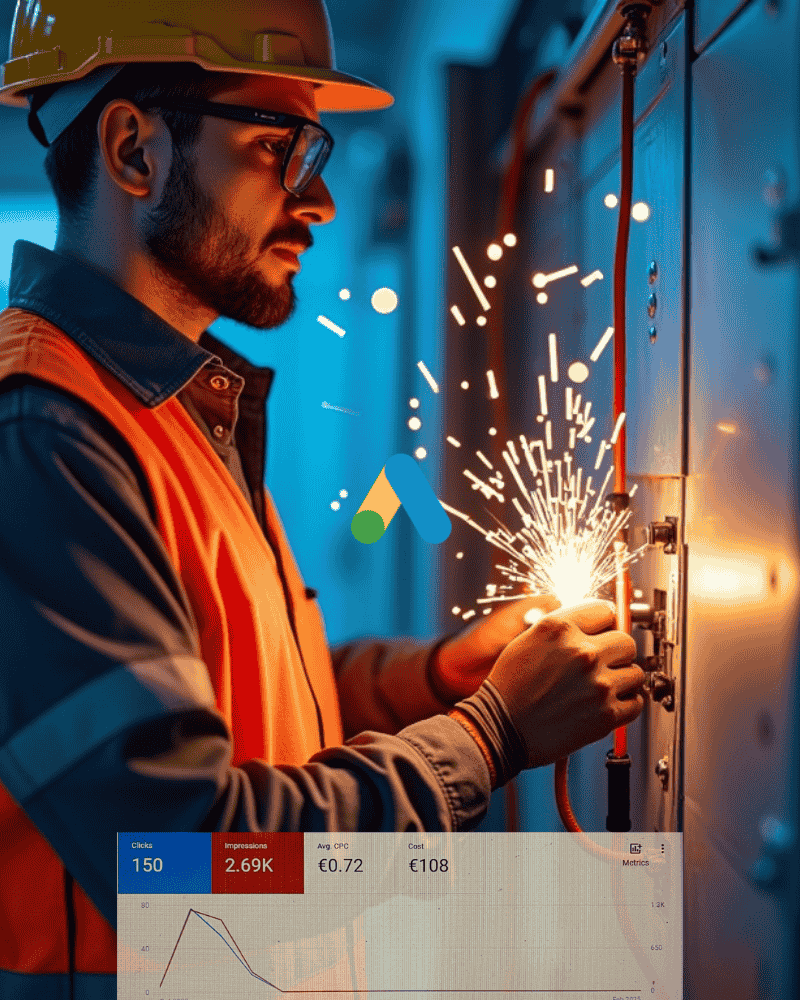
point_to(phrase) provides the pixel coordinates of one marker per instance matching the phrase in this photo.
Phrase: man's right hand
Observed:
(569, 681)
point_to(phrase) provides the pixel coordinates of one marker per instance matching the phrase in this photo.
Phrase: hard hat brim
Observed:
(333, 91)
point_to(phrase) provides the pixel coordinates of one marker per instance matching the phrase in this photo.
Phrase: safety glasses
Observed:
(306, 154)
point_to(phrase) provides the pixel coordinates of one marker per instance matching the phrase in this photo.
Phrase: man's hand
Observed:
(464, 661)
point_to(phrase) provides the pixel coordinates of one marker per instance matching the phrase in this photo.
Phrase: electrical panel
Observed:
(712, 429)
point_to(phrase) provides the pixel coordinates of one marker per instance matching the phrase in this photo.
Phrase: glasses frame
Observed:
(257, 116)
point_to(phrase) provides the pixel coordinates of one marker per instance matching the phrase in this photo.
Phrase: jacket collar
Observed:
(150, 357)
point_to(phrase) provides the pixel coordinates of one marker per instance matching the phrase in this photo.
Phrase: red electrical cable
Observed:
(506, 213)
(620, 270)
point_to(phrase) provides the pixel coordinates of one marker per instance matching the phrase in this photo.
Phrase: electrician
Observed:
(163, 666)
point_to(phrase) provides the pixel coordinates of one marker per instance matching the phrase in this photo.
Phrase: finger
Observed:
(590, 616)
(619, 649)
(629, 681)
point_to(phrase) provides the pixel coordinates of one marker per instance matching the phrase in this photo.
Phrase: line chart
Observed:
(381, 916)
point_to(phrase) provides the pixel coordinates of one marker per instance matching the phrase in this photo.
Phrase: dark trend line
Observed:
(255, 975)
(243, 960)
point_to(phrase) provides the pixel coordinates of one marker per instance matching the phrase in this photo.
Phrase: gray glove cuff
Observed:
(487, 711)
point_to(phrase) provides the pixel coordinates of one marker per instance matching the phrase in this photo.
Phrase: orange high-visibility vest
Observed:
(268, 688)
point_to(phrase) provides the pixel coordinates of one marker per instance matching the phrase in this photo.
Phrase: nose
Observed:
(315, 205)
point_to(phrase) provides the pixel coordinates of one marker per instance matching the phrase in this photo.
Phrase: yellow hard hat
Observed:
(63, 42)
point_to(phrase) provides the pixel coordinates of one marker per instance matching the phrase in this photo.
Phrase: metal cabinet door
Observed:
(741, 516)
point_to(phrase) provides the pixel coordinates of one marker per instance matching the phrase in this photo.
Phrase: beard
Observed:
(205, 259)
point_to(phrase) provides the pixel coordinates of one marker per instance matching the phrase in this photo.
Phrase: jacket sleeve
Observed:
(103, 726)
(384, 684)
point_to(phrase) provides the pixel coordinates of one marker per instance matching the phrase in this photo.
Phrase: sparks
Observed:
(566, 543)
(331, 325)
(471, 278)
(540, 280)
(542, 396)
(553, 358)
(602, 343)
(429, 378)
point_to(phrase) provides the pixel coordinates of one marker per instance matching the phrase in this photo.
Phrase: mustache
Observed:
(296, 234)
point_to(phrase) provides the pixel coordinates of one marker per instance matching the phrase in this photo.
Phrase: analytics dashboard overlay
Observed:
(400, 916)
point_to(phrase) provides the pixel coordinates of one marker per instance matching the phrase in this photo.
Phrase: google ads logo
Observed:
(400, 482)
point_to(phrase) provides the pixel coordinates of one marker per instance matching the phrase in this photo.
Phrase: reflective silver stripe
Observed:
(80, 723)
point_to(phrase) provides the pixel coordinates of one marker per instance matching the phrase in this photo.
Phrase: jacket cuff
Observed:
(488, 713)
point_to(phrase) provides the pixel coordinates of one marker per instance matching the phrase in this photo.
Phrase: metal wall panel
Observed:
(741, 516)
(653, 342)
(711, 15)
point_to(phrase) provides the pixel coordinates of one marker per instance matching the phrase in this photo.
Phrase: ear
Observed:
(132, 147)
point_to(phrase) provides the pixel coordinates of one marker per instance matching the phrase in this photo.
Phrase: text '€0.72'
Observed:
(341, 865)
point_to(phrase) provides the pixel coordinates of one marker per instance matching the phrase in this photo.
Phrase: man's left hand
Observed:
(463, 662)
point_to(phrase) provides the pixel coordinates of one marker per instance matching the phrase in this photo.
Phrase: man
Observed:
(164, 667)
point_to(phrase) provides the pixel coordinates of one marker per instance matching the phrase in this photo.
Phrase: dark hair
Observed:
(71, 162)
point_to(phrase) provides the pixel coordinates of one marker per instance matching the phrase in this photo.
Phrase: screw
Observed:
(653, 334)
(652, 303)
(652, 272)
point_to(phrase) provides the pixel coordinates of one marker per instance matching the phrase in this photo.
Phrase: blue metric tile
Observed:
(163, 862)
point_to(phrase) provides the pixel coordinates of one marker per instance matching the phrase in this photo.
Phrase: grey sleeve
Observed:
(102, 724)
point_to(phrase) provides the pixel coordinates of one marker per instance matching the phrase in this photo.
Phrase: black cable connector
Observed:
(618, 819)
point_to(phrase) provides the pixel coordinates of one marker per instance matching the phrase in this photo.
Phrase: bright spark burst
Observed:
(565, 543)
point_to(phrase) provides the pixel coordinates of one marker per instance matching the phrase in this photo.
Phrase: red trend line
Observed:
(247, 964)
(174, 949)
(353, 992)
(244, 960)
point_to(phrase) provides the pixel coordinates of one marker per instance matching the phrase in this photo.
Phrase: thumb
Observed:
(539, 606)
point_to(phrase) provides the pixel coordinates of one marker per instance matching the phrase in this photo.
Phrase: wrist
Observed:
(443, 682)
